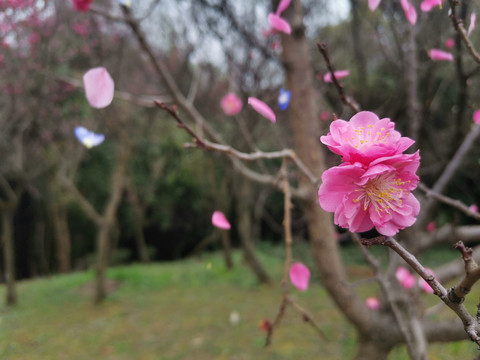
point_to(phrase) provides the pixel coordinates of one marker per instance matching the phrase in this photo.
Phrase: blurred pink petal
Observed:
(449, 43)
(279, 24)
(409, 10)
(324, 115)
(99, 87)
(428, 5)
(373, 4)
(431, 226)
(262, 108)
(424, 285)
(338, 75)
(473, 208)
(476, 117)
(299, 276)
(404, 277)
(439, 55)
(220, 221)
(231, 104)
(82, 5)
(282, 6)
(372, 303)
(473, 20)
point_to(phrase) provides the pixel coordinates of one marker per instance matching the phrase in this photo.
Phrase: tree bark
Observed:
(227, 249)
(372, 350)
(9, 255)
(62, 236)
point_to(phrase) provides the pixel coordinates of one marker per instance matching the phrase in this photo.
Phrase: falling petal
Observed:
(428, 5)
(282, 6)
(373, 4)
(299, 276)
(431, 226)
(409, 10)
(440, 55)
(87, 137)
(231, 104)
(476, 117)
(372, 303)
(473, 208)
(338, 75)
(473, 20)
(279, 24)
(99, 87)
(220, 221)
(449, 43)
(262, 108)
(284, 98)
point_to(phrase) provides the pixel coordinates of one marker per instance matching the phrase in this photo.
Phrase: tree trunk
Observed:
(103, 245)
(372, 350)
(9, 255)
(62, 236)
(227, 249)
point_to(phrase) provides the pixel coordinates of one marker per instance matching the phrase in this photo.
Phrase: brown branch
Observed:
(472, 273)
(460, 28)
(322, 47)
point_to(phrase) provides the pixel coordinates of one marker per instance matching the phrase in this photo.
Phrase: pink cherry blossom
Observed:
(424, 285)
(373, 4)
(82, 5)
(404, 277)
(428, 5)
(374, 195)
(282, 6)
(299, 276)
(220, 221)
(231, 104)
(99, 87)
(449, 43)
(431, 226)
(365, 138)
(476, 117)
(473, 208)
(372, 303)
(410, 12)
(473, 20)
(262, 108)
(279, 24)
(338, 75)
(439, 55)
(324, 115)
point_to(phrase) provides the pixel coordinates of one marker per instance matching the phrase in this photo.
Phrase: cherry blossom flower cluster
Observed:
(372, 187)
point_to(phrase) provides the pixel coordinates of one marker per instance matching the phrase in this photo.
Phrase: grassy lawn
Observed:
(181, 310)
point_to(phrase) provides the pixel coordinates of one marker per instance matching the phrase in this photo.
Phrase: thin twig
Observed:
(460, 28)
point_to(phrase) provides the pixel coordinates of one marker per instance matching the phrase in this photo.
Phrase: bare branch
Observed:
(460, 28)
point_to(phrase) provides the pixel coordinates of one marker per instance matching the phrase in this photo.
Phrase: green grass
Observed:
(180, 310)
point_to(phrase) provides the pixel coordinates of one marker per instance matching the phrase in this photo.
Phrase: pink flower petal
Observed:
(99, 87)
(373, 4)
(82, 5)
(473, 208)
(431, 226)
(428, 5)
(338, 75)
(231, 104)
(282, 6)
(299, 276)
(409, 10)
(476, 117)
(220, 221)
(372, 303)
(404, 277)
(262, 108)
(473, 20)
(279, 24)
(449, 43)
(440, 55)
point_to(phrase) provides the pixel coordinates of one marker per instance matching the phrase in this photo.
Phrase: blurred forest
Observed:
(148, 195)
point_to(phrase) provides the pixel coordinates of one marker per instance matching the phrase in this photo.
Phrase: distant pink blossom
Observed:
(431, 226)
(299, 276)
(449, 43)
(279, 24)
(81, 29)
(373, 4)
(338, 75)
(282, 6)
(428, 5)
(220, 221)
(82, 5)
(404, 277)
(372, 303)
(440, 55)
(473, 20)
(476, 117)
(99, 87)
(424, 285)
(231, 104)
(365, 138)
(262, 108)
(409, 10)
(473, 208)
(324, 115)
